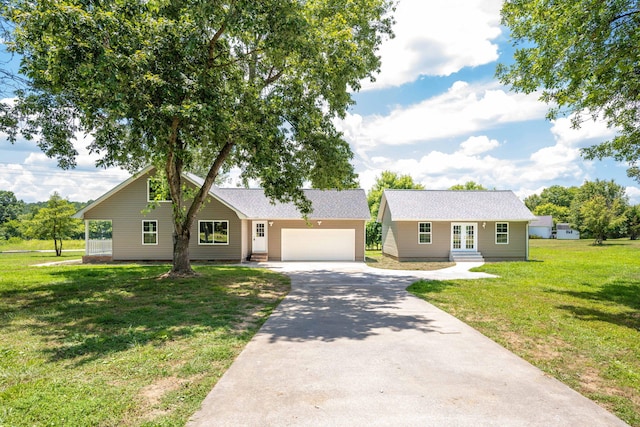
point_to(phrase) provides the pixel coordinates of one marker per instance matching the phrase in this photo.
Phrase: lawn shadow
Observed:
(102, 310)
(624, 293)
(327, 306)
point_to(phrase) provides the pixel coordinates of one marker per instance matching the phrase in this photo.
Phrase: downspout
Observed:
(527, 246)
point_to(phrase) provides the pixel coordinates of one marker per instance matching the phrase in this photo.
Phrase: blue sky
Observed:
(435, 112)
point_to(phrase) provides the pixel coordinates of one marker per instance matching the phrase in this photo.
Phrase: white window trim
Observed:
(507, 233)
(149, 232)
(149, 193)
(214, 227)
(430, 233)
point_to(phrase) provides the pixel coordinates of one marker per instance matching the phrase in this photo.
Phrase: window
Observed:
(424, 233)
(150, 232)
(502, 233)
(157, 191)
(213, 232)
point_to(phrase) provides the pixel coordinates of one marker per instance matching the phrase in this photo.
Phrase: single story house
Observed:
(454, 225)
(541, 227)
(565, 232)
(235, 224)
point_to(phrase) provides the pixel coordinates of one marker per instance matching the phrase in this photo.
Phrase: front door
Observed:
(259, 236)
(464, 236)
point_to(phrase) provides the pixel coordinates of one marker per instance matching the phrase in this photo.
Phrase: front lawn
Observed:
(573, 311)
(111, 345)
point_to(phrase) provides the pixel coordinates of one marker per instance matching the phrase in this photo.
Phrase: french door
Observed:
(464, 236)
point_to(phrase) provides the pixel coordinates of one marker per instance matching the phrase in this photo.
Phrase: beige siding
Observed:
(389, 233)
(274, 234)
(409, 248)
(515, 250)
(402, 236)
(125, 210)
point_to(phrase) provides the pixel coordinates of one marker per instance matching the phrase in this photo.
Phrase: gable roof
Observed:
(252, 203)
(449, 205)
(542, 221)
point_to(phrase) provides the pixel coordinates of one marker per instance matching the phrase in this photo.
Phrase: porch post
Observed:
(86, 237)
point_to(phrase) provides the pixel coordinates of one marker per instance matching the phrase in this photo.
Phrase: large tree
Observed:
(598, 209)
(244, 83)
(583, 54)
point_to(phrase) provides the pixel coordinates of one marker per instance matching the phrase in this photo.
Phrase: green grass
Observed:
(38, 245)
(375, 258)
(109, 345)
(573, 311)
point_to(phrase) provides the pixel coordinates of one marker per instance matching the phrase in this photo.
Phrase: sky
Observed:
(435, 112)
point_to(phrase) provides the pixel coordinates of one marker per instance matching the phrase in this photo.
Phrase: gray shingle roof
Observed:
(446, 205)
(327, 204)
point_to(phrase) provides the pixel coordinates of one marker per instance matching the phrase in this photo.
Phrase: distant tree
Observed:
(386, 180)
(615, 200)
(469, 185)
(559, 213)
(10, 207)
(583, 54)
(558, 195)
(532, 201)
(389, 180)
(54, 222)
(600, 218)
(633, 221)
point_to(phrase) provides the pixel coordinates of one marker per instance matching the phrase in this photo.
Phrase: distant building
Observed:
(541, 227)
(565, 232)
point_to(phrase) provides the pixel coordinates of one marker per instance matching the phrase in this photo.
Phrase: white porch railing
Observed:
(98, 247)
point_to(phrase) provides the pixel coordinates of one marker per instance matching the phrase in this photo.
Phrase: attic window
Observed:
(157, 191)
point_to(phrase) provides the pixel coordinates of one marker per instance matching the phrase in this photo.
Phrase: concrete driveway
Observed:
(350, 347)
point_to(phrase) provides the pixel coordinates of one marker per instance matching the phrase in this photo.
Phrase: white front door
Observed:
(464, 236)
(259, 236)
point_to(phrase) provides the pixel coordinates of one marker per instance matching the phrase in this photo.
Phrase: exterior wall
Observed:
(125, 210)
(543, 232)
(408, 248)
(516, 250)
(389, 234)
(274, 234)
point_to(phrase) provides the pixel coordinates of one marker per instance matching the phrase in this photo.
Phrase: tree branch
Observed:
(209, 180)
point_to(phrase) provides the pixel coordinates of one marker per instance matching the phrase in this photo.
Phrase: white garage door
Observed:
(302, 244)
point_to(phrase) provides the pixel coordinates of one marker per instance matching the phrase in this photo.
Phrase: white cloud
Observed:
(478, 144)
(463, 109)
(590, 131)
(634, 195)
(438, 37)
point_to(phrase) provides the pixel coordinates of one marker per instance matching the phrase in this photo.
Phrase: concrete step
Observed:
(464, 256)
(259, 257)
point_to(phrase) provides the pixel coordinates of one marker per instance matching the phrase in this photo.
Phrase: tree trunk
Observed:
(181, 263)
(58, 247)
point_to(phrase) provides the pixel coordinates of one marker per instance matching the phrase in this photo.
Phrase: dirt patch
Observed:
(153, 393)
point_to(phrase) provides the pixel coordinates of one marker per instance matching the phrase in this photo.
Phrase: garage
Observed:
(303, 244)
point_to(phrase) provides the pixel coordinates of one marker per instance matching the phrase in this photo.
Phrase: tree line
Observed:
(598, 209)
